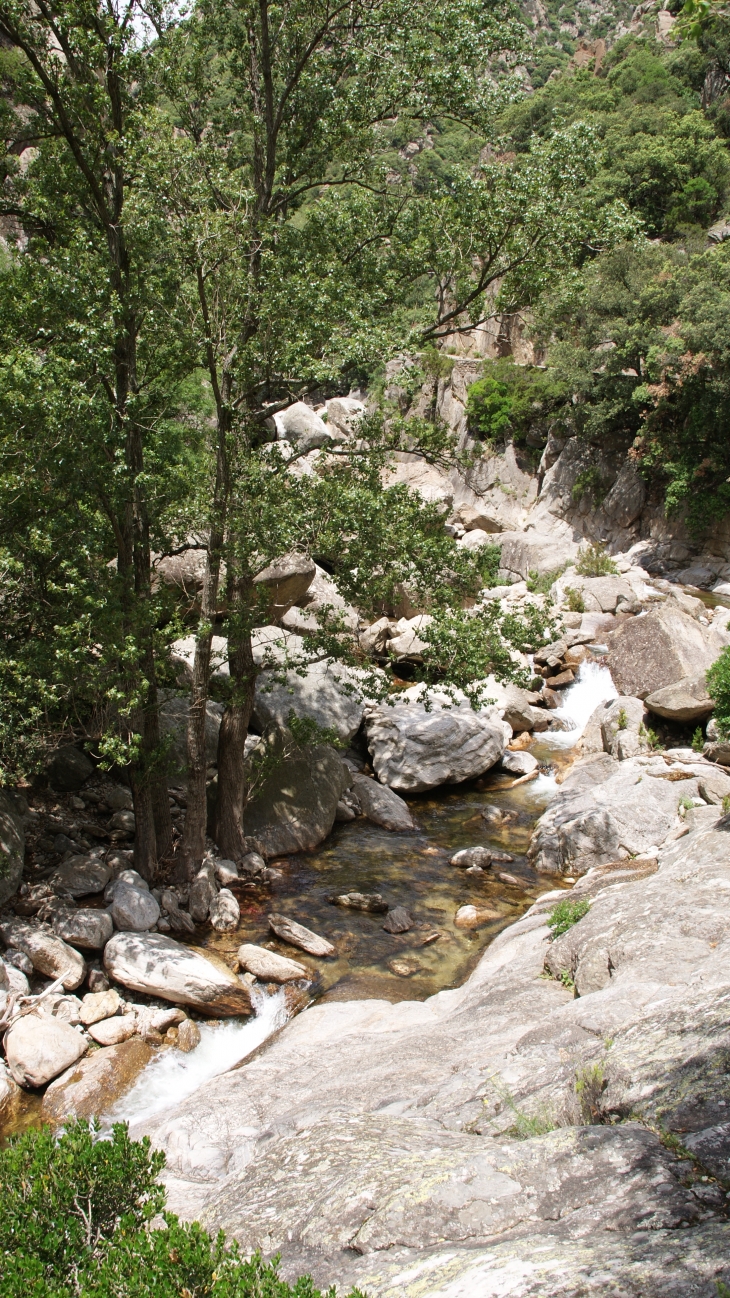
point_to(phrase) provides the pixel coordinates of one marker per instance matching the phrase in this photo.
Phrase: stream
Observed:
(409, 869)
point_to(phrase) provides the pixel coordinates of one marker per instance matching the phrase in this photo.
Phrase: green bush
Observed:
(566, 914)
(718, 684)
(510, 400)
(594, 562)
(698, 740)
(574, 600)
(75, 1222)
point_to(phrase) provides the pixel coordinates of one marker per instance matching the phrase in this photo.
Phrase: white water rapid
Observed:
(172, 1076)
(593, 686)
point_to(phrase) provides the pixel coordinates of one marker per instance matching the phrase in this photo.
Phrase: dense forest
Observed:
(207, 218)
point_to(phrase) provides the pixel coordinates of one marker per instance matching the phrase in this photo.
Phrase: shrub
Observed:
(650, 737)
(718, 685)
(75, 1221)
(574, 600)
(594, 562)
(540, 585)
(590, 1084)
(623, 719)
(566, 914)
(698, 740)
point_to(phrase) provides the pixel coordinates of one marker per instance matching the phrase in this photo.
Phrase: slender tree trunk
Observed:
(229, 833)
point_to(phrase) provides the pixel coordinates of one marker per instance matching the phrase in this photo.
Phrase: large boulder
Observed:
(134, 910)
(415, 750)
(606, 811)
(300, 425)
(344, 414)
(268, 966)
(327, 693)
(69, 768)
(92, 1085)
(82, 876)
(286, 580)
(48, 954)
(89, 929)
(621, 724)
(294, 808)
(648, 653)
(160, 966)
(526, 552)
(322, 593)
(684, 701)
(12, 846)
(174, 713)
(381, 805)
(600, 594)
(39, 1047)
(514, 705)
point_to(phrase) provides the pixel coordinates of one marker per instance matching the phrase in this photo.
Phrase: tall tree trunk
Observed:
(229, 834)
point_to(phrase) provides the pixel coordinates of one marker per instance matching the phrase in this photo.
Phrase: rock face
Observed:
(69, 768)
(327, 693)
(12, 846)
(38, 1048)
(174, 713)
(286, 579)
(526, 552)
(685, 700)
(381, 805)
(46, 952)
(428, 1188)
(90, 1087)
(415, 750)
(159, 966)
(294, 810)
(606, 810)
(648, 653)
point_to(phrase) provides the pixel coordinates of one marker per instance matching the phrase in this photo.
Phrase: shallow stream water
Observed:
(410, 870)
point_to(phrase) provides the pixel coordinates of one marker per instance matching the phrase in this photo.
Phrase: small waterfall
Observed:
(172, 1075)
(593, 686)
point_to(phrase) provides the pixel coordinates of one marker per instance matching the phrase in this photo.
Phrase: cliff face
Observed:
(511, 490)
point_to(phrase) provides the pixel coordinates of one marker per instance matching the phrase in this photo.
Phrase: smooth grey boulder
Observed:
(600, 594)
(327, 693)
(526, 552)
(684, 701)
(519, 763)
(621, 723)
(415, 750)
(12, 846)
(89, 929)
(49, 954)
(300, 425)
(38, 1048)
(648, 653)
(294, 809)
(159, 966)
(134, 910)
(603, 813)
(468, 856)
(381, 805)
(513, 705)
(286, 580)
(225, 912)
(297, 935)
(82, 876)
(69, 768)
(268, 966)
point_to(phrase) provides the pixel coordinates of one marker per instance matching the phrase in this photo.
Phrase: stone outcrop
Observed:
(526, 552)
(294, 809)
(416, 1110)
(415, 750)
(684, 701)
(648, 653)
(159, 966)
(47, 953)
(328, 694)
(381, 805)
(92, 1085)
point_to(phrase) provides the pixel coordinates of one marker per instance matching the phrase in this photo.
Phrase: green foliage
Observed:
(650, 737)
(76, 1216)
(525, 1125)
(566, 978)
(539, 584)
(726, 804)
(565, 914)
(594, 562)
(590, 1083)
(622, 720)
(512, 401)
(659, 153)
(589, 482)
(464, 647)
(574, 600)
(685, 803)
(698, 740)
(718, 685)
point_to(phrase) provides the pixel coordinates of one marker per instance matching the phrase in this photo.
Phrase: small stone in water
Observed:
(475, 869)
(404, 968)
(510, 878)
(429, 938)
(502, 856)
(370, 901)
(492, 815)
(398, 920)
(481, 856)
(296, 934)
(188, 1036)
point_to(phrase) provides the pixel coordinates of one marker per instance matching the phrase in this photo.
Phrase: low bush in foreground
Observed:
(565, 915)
(75, 1223)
